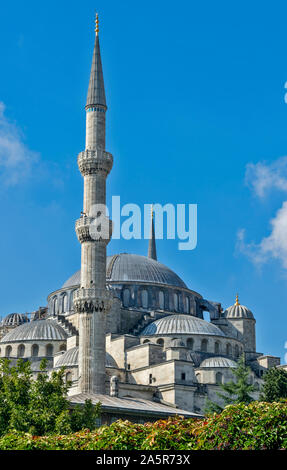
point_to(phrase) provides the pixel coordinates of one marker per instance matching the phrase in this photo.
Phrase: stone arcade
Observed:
(128, 330)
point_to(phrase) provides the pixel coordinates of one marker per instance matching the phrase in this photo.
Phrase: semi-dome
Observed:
(127, 267)
(181, 324)
(238, 311)
(39, 330)
(15, 319)
(71, 358)
(218, 362)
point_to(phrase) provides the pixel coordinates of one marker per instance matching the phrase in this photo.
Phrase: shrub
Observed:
(256, 426)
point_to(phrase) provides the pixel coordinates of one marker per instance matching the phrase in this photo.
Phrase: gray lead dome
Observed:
(128, 267)
(238, 311)
(218, 362)
(15, 319)
(181, 324)
(71, 359)
(40, 330)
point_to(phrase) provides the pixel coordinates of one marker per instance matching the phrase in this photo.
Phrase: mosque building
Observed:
(128, 330)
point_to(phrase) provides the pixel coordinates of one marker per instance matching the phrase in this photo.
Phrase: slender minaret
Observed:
(92, 300)
(151, 245)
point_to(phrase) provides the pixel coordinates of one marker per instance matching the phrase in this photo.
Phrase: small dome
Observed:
(238, 311)
(71, 358)
(40, 330)
(218, 362)
(181, 324)
(15, 319)
(128, 267)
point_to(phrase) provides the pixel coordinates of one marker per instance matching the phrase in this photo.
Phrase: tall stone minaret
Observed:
(92, 300)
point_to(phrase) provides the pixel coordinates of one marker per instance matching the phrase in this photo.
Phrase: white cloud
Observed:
(274, 246)
(262, 177)
(16, 159)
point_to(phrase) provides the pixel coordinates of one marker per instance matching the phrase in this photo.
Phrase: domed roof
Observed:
(181, 324)
(71, 358)
(238, 311)
(127, 267)
(218, 362)
(15, 319)
(39, 330)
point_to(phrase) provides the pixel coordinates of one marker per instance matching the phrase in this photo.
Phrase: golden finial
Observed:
(236, 300)
(97, 24)
(151, 211)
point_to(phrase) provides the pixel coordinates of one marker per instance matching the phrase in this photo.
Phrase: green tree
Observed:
(40, 406)
(275, 385)
(236, 391)
(85, 417)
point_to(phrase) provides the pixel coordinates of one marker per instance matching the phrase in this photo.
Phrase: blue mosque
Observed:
(128, 330)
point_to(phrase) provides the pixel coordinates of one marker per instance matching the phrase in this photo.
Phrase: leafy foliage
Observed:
(256, 426)
(275, 385)
(39, 406)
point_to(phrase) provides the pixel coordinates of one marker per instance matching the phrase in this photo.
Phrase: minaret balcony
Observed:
(92, 299)
(95, 161)
(90, 229)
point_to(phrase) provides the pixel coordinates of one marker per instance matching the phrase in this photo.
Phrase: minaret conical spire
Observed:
(152, 246)
(96, 92)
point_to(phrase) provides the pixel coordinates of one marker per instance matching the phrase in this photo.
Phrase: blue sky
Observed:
(196, 115)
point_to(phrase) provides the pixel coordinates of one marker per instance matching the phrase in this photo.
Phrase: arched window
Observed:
(8, 351)
(65, 303)
(55, 306)
(189, 343)
(236, 351)
(63, 347)
(228, 349)
(49, 350)
(217, 347)
(204, 345)
(144, 298)
(72, 300)
(198, 376)
(69, 377)
(187, 304)
(175, 301)
(167, 302)
(35, 350)
(218, 378)
(21, 350)
(146, 341)
(160, 341)
(161, 300)
(126, 297)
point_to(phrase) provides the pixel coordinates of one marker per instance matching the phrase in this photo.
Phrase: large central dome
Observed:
(126, 267)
